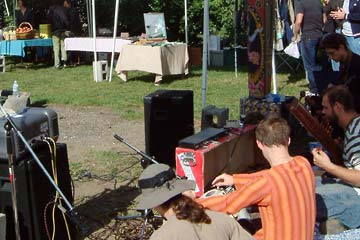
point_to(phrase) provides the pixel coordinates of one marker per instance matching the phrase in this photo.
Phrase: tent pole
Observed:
(89, 17)
(114, 38)
(273, 65)
(7, 8)
(236, 36)
(94, 43)
(205, 51)
(14, 11)
(186, 24)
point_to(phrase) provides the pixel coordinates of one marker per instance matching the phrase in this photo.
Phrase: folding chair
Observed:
(282, 59)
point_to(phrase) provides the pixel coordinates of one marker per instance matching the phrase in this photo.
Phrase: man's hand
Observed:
(338, 15)
(321, 159)
(223, 180)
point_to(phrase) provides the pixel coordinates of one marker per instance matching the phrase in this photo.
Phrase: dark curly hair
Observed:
(187, 209)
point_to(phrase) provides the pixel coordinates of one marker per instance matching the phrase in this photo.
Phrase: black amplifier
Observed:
(197, 140)
(34, 124)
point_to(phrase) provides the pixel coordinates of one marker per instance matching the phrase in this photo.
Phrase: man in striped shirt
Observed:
(285, 193)
(340, 198)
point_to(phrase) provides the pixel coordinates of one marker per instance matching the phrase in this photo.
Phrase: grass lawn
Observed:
(75, 86)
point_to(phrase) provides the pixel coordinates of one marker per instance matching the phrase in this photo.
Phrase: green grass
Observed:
(75, 86)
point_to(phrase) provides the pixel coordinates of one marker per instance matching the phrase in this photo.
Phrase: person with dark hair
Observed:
(339, 198)
(284, 194)
(73, 16)
(336, 47)
(186, 219)
(74, 28)
(59, 21)
(24, 14)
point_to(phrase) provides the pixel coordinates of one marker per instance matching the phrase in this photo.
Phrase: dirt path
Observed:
(87, 131)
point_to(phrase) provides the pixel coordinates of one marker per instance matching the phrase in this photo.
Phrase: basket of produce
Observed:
(9, 33)
(25, 31)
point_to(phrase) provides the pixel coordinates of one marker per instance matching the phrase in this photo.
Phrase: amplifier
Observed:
(197, 140)
(233, 153)
(34, 124)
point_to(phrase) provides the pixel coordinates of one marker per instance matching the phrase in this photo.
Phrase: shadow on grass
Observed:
(39, 103)
(193, 72)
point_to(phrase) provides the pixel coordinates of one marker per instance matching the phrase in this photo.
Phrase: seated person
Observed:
(340, 198)
(284, 194)
(335, 45)
(186, 219)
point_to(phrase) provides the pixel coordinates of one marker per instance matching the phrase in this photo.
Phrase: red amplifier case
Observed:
(233, 153)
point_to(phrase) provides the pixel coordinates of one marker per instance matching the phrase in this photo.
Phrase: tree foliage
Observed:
(131, 17)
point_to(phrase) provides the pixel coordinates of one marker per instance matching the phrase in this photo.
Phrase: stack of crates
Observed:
(2, 63)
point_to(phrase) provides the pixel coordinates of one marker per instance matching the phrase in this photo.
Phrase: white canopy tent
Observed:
(205, 44)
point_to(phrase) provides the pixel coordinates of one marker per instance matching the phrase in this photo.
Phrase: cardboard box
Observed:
(234, 153)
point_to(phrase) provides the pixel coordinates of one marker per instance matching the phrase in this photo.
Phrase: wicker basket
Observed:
(25, 35)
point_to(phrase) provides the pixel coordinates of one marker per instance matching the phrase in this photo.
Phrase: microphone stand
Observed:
(135, 149)
(71, 213)
(12, 178)
(147, 212)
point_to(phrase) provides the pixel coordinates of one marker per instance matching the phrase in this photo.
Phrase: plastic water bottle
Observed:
(15, 89)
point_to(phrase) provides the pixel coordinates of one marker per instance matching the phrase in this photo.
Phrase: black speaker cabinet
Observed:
(34, 192)
(169, 117)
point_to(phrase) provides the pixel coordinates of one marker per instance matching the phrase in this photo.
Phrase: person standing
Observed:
(74, 28)
(309, 20)
(59, 21)
(339, 197)
(350, 14)
(285, 193)
(24, 14)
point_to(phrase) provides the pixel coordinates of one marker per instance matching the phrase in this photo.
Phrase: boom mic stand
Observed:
(147, 213)
(74, 217)
(142, 154)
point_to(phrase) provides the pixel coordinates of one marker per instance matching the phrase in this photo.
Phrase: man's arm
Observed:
(297, 26)
(255, 192)
(351, 176)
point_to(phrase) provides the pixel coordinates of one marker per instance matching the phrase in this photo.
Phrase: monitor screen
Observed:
(155, 25)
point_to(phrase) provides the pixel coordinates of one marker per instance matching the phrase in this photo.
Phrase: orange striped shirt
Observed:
(285, 195)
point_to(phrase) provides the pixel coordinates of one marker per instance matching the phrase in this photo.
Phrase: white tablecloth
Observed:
(87, 44)
(160, 60)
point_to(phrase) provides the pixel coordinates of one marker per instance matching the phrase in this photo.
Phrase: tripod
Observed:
(73, 216)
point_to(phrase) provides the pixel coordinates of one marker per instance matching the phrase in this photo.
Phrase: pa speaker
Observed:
(35, 194)
(169, 117)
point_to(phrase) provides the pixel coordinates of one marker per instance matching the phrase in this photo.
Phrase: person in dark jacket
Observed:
(59, 21)
(24, 14)
(74, 28)
(337, 48)
(74, 18)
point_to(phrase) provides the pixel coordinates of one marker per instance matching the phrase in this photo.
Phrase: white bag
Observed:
(292, 50)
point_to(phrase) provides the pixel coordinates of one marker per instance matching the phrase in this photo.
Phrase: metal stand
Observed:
(12, 177)
(147, 213)
(142, 154)
(71, 213)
